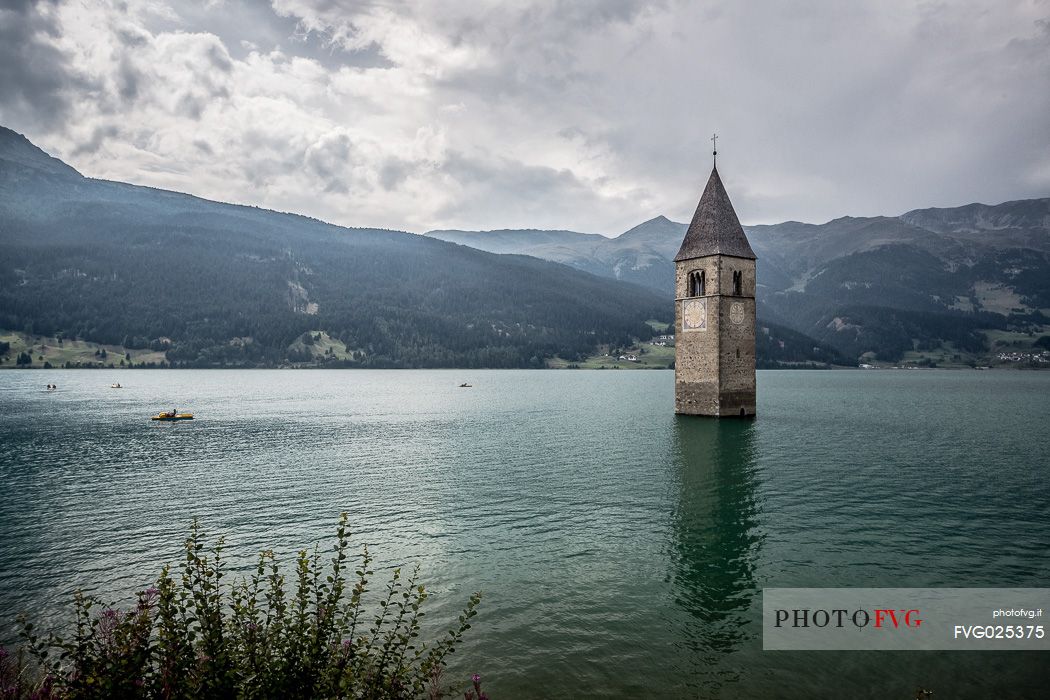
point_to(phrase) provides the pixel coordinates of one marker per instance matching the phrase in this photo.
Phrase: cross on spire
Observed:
(714, 149)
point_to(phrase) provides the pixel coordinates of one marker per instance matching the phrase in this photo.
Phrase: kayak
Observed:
(170, 417)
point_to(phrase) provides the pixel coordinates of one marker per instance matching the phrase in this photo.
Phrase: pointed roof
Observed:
(714, 230)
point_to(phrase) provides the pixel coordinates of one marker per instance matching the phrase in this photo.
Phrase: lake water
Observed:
(622, 550)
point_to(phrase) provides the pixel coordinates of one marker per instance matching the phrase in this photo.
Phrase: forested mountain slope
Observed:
(214, 283)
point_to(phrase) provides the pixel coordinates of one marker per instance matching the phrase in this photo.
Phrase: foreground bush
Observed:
(194, 636)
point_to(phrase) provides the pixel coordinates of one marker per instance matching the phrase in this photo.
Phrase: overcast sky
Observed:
(590, 115)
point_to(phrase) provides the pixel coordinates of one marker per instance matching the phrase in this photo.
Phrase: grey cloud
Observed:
(251, 25)
(22, 6)
(191, 105)
(98, 137)
(592, 114)
(131, 36)
(532, 44)
(219, 58)
(35, 77)
(329, 160)
(500, 173)
(505, 193)
(128, 80)
(394, 172)
(260, 171)
(192, 102)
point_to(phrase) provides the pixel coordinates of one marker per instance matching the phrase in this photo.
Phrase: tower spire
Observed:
(714, 150)
(715, 228)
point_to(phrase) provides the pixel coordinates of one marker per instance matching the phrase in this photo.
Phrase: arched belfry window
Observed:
(696, 283)
(738, 282)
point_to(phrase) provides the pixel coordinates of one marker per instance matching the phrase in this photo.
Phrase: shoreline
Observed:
(835, 368)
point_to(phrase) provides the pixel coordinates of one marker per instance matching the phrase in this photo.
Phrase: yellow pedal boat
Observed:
(168, 415)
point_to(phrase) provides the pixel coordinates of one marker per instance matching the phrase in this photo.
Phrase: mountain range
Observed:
(214, 284)
(872, 287)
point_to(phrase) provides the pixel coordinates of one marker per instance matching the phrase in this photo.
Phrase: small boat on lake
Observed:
(172, 416)
(464, 385)
(116, 386)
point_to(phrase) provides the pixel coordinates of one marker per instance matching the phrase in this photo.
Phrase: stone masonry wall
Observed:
(715, 368)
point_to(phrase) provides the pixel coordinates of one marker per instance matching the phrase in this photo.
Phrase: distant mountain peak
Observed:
(16, 148)
(647, 228)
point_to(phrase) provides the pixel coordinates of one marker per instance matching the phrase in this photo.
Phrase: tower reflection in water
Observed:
(714, 545)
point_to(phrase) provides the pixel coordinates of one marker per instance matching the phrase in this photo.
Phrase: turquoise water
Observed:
(621, 549)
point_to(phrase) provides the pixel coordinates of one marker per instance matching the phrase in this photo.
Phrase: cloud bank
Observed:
(591, 115)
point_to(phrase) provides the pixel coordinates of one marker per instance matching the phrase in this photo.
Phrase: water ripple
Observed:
(622, 550)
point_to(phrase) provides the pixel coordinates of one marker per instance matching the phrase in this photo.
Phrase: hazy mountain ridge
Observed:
(638, 255)
(1019, 214)
(979, 266)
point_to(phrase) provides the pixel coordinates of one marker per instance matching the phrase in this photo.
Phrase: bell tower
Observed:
(714, 368)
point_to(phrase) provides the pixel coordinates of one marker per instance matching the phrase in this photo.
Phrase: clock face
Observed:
(736, 312)
(694, 315)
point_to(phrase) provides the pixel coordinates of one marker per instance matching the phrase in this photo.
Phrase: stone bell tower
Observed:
(714, 368)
